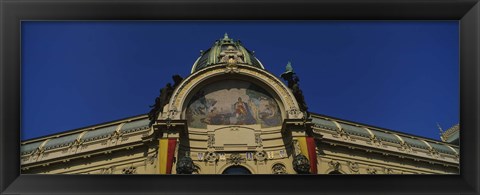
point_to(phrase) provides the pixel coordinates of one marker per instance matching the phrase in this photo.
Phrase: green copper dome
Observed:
(223, 51)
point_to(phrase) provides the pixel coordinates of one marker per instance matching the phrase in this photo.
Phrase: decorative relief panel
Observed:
(258, 140)
(235, 159)
(260, 156)
(335, 165)
(388, 171)
(405, 147)
(211, 157)
(279, 169)
(234, 138)
(371, 170)
(108, 170)
(152, 159)
(129, 170)
(211, 140)
(354, 167)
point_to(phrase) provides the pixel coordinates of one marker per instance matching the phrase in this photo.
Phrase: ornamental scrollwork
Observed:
(211, 157)
(371, 170)
(108, 170)
(335, 165)
(151, 159)
(279, 169)
(340, 133)
(260, 156)
(231, 67)
(235, 159)
(388, 171)
(196, 169)
(353, 166)
(375, 141)
(405, 147)
(344, 135)
(294, 112)
(434, 152)
(258, 140)
(129, 170)
(173, 112)
(211, 140)
(296, 147)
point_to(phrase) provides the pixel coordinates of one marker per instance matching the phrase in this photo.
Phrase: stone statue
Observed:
(177, 79)
(163, 98)
(185, 165)
(301, 164)
(293, 83)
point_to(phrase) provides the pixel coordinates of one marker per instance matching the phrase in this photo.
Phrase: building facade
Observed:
(231, 116)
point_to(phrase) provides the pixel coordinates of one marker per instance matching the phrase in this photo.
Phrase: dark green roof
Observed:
(90, 135)
(326, 122)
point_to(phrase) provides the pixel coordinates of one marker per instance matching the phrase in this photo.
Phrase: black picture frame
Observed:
(14, 11)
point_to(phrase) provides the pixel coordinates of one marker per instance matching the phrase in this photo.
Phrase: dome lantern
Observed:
(223, 51)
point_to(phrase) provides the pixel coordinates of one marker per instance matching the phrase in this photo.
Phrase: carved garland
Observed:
(371, 170)
(235, 159)
(129, 170)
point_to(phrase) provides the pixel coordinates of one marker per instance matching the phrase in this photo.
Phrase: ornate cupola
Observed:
(225, 51)
(231, 115)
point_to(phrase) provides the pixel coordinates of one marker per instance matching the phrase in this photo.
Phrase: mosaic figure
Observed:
(233, 103)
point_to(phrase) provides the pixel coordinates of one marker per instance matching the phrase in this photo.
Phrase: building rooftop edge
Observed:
(382, 128)
(140, 116)
(76, 130)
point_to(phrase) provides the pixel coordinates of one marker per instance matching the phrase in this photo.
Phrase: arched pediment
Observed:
(183, 93)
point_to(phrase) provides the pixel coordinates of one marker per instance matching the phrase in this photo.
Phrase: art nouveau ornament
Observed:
(235, 159)
(279, 169)
(247, 73)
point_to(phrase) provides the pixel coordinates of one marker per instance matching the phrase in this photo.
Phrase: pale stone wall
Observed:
(252, 139)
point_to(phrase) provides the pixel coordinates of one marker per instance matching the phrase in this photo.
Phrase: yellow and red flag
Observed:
(307, 147)
(166, 153)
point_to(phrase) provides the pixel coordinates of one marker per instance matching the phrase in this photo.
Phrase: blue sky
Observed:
(400, 75)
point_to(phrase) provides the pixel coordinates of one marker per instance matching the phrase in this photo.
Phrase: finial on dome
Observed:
(440, 128)
(288, 74)
(222, 50)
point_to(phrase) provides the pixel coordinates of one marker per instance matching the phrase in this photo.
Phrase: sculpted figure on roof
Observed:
(293, 83)
(162, 99)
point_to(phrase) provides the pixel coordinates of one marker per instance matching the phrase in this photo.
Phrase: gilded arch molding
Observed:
(175, 106)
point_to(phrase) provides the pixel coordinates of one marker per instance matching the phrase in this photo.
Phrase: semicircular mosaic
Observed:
(233, 102)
